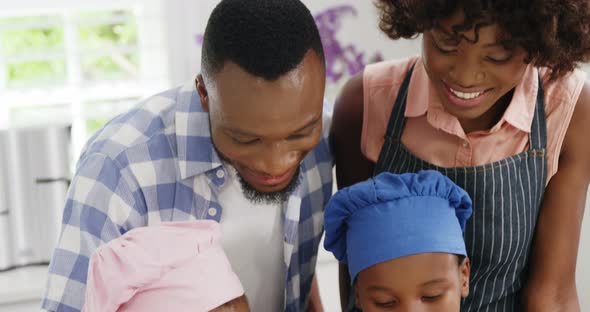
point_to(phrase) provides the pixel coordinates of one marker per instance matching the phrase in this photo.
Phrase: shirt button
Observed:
(465, 144)
(220, 174)
(212, 212)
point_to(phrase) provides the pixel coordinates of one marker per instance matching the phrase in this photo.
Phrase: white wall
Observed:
(583, 273)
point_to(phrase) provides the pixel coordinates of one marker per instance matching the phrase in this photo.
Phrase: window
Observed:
(79, 66)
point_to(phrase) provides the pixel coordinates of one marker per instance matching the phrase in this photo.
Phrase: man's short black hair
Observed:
(266, 38)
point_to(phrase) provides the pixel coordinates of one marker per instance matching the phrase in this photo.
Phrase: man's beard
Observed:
(258, 197)
(270, 198)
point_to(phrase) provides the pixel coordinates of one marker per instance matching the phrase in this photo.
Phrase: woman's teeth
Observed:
(465, 96)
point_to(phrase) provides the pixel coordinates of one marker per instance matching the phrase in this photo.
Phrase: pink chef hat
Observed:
(175, 266)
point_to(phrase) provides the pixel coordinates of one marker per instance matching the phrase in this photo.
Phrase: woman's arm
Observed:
(351, 164)
(315, 301)
(552, 281)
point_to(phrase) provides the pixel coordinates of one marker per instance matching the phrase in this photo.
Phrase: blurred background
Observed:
(67, 67)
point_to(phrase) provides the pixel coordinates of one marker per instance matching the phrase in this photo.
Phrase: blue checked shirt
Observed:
(157, 163)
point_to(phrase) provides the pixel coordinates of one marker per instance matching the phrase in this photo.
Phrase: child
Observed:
(493, 102)
(175, 266)
(402, 238)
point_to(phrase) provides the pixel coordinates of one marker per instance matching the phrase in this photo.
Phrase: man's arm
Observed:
(552, 281)
(98, 209)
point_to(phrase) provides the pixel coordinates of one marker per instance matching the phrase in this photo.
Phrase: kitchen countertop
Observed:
(23, 284)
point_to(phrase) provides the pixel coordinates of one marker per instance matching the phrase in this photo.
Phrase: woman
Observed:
(495, 103)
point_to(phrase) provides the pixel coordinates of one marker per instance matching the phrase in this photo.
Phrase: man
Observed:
(243, 144)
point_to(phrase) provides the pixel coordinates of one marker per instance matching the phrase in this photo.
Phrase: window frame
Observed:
(153, 75)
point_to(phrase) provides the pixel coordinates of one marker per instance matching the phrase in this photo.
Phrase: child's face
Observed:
(483, 71)
(424, 282)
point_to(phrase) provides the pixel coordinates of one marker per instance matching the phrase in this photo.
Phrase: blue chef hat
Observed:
(391, 216)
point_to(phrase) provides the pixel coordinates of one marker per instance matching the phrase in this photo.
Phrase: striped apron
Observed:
(506, 195)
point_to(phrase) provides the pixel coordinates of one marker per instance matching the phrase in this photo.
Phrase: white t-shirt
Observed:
(253, 242)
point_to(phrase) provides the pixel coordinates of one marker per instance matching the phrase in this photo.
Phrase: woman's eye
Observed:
(444, 43)
(499, 60)
(444, 50)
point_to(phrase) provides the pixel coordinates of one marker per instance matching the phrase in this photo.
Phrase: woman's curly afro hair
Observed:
(554, 33)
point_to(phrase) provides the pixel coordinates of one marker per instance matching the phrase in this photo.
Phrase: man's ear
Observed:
(202, 90)
(465, 271)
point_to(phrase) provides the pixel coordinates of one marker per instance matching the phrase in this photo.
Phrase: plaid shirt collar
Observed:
(196, 153)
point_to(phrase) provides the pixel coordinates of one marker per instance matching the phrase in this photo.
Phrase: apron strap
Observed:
(538, 134)
(397, 120)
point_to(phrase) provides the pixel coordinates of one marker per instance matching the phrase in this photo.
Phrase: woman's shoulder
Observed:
(562, 91)
(348, 109)
(387, 73)
(563, 100)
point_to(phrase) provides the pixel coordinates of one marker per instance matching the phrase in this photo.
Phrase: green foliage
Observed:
(27, 73)
(93, 125)
(114, 66)
(97, 30)
(28, 41)
(99, 112)
(101, 35)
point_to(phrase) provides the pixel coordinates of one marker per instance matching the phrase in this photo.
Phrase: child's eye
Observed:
(431, 298)
(385, 304)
